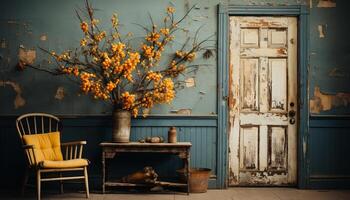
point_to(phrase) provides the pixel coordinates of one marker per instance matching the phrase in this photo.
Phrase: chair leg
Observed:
(86, 182)
(38, 184)
(25, 180)
(61, 184)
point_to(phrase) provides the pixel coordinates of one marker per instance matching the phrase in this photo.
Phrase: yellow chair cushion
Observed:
(47, 146)
(64, 163)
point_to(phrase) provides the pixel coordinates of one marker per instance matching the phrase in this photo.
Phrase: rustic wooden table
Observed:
(110, 150)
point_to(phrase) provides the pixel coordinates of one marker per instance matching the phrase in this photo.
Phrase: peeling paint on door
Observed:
(325, 102)
(263, 178)
(19, 101)
(263, 73)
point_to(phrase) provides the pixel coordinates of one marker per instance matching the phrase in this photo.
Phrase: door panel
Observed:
(249, 84)
(263, 118)
(249, 148)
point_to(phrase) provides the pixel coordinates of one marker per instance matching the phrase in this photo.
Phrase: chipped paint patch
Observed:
(326, 4)
(190, 82)
(26, 56)
(59, 93)
(184, 111)
(321, 31)
(336, 72)
(324, 102)
(3, 44)
(43, 37)
(19, 100)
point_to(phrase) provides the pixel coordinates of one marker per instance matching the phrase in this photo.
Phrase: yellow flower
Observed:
(167, 86)
(190, 57)
(134, 112)
(153, 37)
(157, 55)
(155, 76)
(128, 100)
(115, 35)
(106, 63)
(187, 56)
(115, 20)
(100, 36)
(147, 101)
(170, 10)
(147, 51)
(75, 71)
(130, 64)
(94, 22)
(170, 38)
(84, 27)
(67, 70)
(86, 82)
(164, 31)
(110, 86)
(63, 57)
(118, 48)
(175, 70)
(83, 42)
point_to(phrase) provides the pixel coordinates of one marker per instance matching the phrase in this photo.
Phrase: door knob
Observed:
(291, 113)
(292, 121)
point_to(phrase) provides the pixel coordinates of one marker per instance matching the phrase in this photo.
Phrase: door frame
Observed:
(299, 11)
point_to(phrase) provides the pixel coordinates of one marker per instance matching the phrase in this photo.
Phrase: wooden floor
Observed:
(229, 194)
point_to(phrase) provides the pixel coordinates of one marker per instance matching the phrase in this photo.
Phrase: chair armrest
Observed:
(82, 142)
(72, 150)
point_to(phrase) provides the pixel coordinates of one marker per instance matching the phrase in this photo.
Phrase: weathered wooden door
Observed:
(263, 101)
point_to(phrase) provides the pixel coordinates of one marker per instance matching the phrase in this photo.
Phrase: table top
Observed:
(138, 144)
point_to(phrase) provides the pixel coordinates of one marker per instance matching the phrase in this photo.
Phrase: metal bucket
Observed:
(199, 178)
(121, 126)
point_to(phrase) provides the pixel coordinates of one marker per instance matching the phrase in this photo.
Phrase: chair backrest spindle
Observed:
(50, 124)
(42, 124)
(35, 129)
(28, 127)
(32, 123)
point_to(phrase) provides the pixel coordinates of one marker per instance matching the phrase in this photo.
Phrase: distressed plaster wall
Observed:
(52, 25)
(329, 59)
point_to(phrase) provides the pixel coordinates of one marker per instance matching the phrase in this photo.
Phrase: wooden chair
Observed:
(39, 133)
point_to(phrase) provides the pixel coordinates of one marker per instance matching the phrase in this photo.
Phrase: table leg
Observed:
(187, 167)
(103, 172)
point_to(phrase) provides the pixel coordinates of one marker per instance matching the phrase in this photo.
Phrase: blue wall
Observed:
(329, 71)
(25, 22)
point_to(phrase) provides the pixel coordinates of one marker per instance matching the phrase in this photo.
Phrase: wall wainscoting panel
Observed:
(328, 152)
